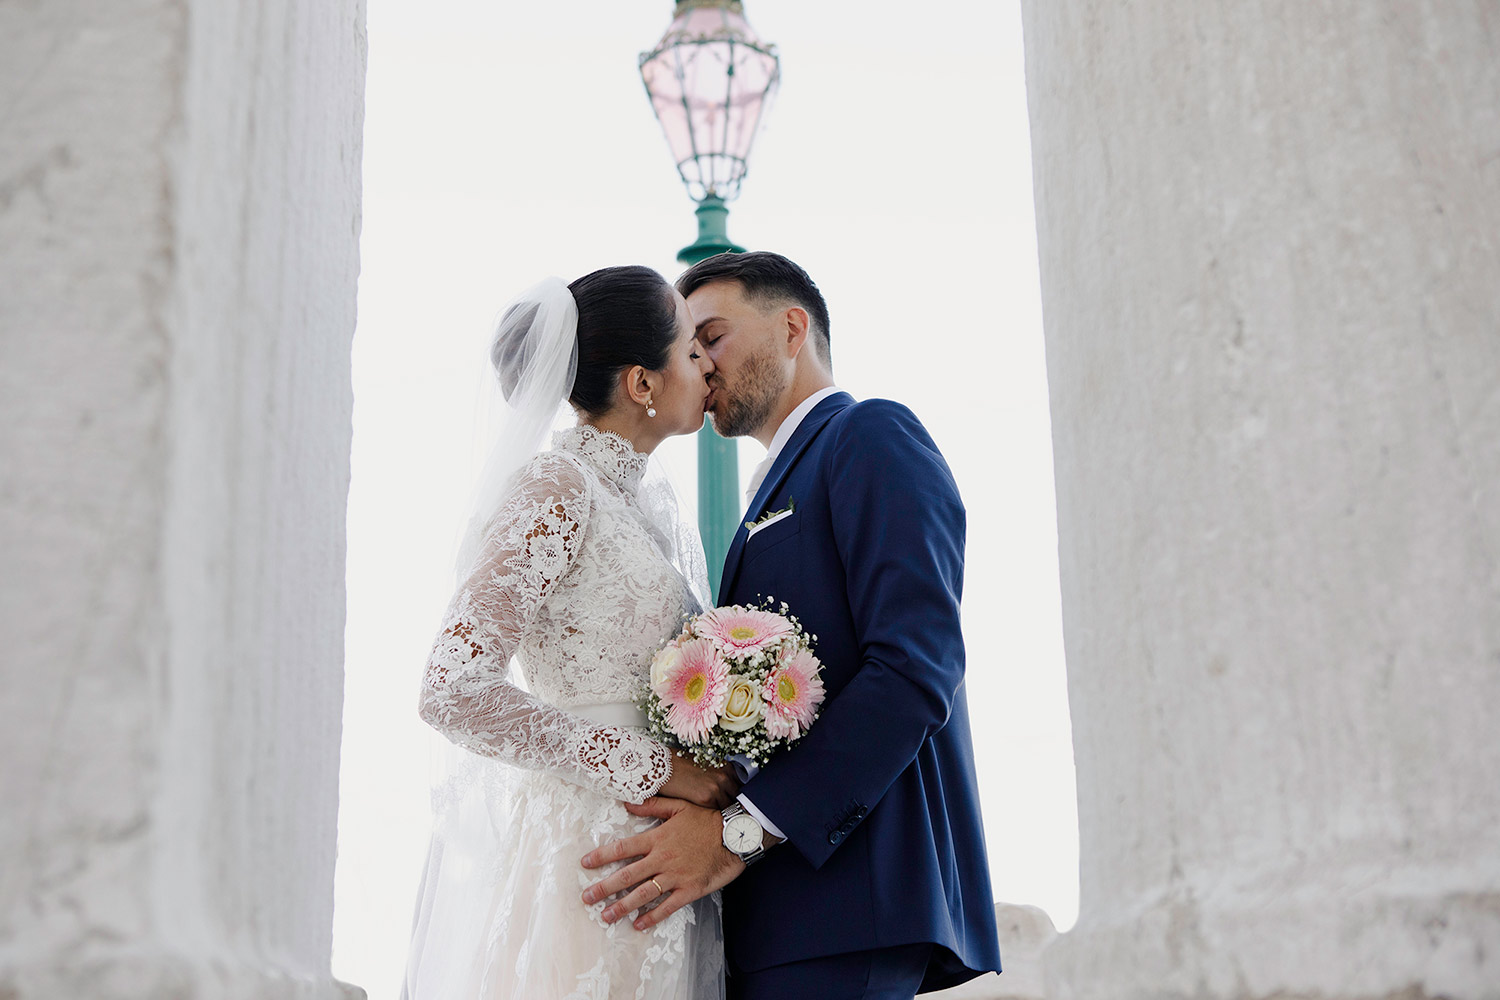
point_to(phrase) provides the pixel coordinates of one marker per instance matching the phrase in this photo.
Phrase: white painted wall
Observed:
(179, 216)
(1271, 292)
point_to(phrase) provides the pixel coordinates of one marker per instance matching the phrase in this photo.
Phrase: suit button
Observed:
(835, 837)
(863, 812)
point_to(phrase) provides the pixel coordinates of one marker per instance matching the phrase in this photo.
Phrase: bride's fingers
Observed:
(657, 807)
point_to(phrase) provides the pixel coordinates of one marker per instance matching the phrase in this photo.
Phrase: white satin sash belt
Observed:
(613, 713)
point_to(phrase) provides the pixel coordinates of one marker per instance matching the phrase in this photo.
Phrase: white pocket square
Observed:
(768, 521)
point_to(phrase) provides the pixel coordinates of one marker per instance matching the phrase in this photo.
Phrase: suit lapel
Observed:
(807, 431)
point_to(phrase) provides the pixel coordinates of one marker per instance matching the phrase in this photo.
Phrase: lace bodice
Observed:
(572, 581)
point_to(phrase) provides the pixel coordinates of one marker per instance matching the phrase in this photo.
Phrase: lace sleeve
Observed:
(466, 694)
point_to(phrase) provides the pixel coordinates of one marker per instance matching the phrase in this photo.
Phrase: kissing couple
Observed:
(576, 853)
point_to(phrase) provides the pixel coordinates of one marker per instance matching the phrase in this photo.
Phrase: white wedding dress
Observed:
(574, 580)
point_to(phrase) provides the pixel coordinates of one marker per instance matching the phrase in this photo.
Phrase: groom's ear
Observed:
(796, 321)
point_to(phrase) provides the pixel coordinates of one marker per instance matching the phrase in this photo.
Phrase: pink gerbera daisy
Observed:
(738, 630)
(792, 692)
(694, 690)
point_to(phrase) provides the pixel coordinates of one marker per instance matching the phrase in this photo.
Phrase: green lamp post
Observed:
(709, 80)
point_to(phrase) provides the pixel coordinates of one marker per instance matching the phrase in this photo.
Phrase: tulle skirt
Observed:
(500, 914)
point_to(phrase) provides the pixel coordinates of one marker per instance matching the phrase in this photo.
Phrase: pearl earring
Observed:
(650, 410)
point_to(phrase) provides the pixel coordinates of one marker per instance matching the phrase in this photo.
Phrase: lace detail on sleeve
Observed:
(466, 694)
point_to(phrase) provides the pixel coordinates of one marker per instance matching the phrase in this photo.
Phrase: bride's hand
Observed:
(714, 788)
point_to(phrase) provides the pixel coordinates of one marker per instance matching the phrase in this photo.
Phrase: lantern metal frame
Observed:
(711, 170)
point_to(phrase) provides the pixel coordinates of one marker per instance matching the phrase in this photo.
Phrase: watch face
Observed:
(742, 834)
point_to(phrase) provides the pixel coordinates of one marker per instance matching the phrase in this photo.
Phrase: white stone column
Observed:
(1270, 259)
(179, 219)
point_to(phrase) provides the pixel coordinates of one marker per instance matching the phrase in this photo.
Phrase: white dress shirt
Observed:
(778, 442)
(782, 436)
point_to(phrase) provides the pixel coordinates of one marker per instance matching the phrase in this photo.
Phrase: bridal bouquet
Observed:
(736, 682)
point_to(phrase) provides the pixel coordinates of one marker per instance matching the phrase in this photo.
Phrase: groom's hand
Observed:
(685, 855)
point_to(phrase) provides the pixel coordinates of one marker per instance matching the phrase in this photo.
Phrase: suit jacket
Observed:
(879, 801)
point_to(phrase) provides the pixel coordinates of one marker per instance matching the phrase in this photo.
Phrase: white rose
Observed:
(662, 664)
(742, 709)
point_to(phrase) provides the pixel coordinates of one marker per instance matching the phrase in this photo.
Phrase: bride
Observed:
(579, 571)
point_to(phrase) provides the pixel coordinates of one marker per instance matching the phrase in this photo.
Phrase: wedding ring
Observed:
(659, 890)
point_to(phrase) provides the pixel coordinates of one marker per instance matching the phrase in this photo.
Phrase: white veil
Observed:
(677, 537)
(533, 358)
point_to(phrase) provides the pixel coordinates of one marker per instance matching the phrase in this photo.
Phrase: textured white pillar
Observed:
(1271, 289)
(179, 216)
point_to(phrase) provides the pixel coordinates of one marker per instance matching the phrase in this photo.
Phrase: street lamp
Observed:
(709, 80)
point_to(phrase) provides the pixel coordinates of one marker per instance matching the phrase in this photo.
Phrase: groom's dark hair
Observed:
(766, 279)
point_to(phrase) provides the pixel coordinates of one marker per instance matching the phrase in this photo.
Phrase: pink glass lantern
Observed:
(709, 80)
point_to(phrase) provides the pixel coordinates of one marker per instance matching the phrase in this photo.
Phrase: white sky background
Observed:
(508, 141)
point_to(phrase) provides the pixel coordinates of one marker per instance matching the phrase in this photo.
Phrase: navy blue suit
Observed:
(879, 800)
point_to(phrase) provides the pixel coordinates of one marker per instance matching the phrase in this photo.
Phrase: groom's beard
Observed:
(742, 407)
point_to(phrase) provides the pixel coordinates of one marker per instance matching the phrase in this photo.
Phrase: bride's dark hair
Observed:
(626, 316)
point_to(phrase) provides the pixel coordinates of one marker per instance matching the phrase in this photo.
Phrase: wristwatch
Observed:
(743, 835)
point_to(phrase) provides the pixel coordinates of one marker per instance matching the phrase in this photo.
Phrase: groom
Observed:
(853, 865)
